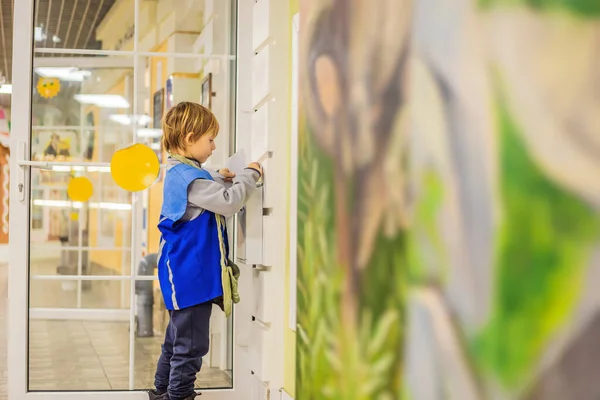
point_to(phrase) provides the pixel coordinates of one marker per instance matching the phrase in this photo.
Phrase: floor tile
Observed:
(92, 355)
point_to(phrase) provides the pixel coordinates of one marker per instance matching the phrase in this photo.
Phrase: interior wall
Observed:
(161, 30)
(110, 259)
(155, 191)
(289, 382)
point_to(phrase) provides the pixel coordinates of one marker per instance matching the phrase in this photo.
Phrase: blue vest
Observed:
(189, 257)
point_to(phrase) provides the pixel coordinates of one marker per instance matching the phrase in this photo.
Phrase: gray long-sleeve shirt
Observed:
(218, 196)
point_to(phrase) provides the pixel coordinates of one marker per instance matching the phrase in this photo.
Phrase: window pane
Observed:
(86, 107)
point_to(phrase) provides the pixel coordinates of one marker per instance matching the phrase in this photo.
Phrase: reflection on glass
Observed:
(76, 326)
(84, 110)
(77, 355)
(80, 124)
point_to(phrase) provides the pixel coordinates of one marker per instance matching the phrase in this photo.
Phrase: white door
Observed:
(90, 77)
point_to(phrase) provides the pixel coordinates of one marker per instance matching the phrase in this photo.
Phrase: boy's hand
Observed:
(227, 174)
(257, 167)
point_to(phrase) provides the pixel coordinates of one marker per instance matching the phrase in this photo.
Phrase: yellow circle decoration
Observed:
(48, 87)
(80, 189)
(134, 168)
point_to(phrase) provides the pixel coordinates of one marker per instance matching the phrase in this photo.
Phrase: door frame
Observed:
(20, 197)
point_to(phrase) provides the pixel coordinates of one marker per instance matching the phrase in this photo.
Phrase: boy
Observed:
(192, 262)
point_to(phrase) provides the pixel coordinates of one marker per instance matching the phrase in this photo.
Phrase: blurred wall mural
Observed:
(449, 187)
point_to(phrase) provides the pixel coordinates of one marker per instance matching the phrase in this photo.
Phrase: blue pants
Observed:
(186, 342)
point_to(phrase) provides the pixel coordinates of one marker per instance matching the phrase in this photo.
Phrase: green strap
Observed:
(184, 160)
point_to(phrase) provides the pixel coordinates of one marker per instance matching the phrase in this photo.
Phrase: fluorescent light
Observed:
(6, 89)
(66, 168)
(120, 118)
(39, 34)
(55, 203)
(60, 168)
(149, 133)
(78, 205)
(103, 100)
(128, 119)
(112, 206)
(98, 169)
(71, 74)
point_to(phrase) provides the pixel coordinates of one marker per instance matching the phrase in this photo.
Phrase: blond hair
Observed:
(185, 118)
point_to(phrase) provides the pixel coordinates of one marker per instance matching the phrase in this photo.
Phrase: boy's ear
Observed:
(188, 137)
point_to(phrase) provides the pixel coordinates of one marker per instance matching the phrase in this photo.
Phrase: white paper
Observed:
(237, 162)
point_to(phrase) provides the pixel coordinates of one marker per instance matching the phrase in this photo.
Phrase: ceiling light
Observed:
(98, 169)
(66, 168)
(62, 168)
(39, 34)
(66, 204)
(142, 120)
(103, 100)
(6, 89)
(149, 133)
(64, 73)
(120, 118)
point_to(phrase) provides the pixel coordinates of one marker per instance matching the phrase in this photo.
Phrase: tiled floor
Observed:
(88, 355)
(75, 355)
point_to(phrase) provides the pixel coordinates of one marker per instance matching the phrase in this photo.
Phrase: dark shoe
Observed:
(166, 397)
(156, 395)
(192, 396)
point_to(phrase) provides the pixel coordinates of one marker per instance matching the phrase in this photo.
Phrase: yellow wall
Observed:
(112, 259)
(156, 190)
(106, 258)
(289, 379)
(110, 35)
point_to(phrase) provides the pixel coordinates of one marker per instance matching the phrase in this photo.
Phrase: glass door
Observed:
(90, 78)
